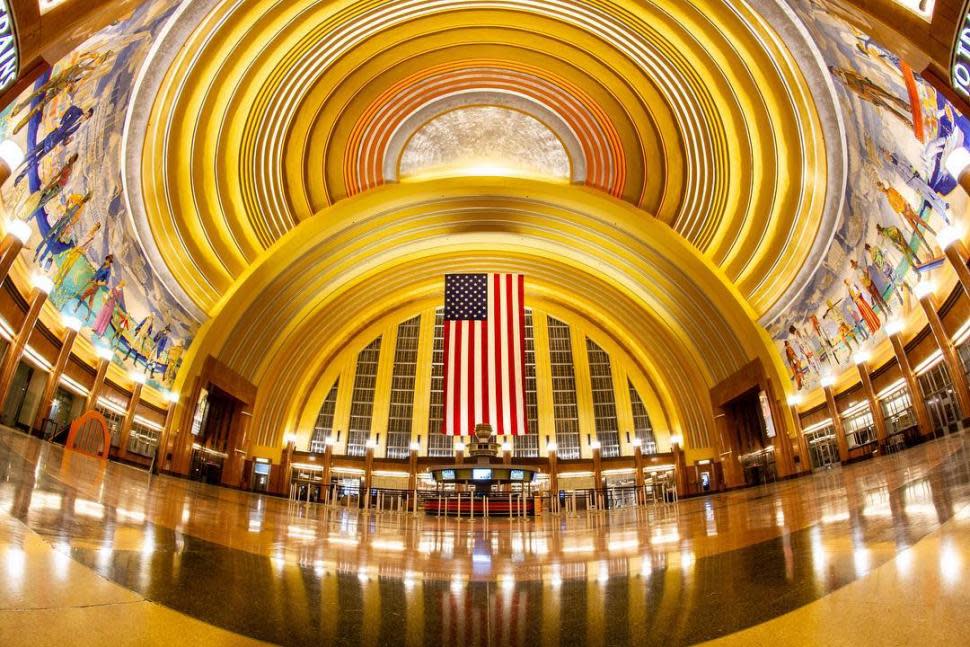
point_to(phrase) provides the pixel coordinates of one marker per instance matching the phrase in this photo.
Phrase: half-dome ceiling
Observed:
(698, 113)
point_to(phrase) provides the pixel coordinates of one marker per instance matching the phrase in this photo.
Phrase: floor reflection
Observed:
(298, 574)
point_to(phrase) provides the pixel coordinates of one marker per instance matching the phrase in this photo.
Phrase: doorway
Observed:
(747, 434)
(219, 435)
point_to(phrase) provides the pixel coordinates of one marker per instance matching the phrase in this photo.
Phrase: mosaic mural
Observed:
(69, 189)
(899, 131)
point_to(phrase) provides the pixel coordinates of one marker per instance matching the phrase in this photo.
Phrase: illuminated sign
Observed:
(481, 475)
(9, 57)
(447, 475)
(517, 475)
(960, 60)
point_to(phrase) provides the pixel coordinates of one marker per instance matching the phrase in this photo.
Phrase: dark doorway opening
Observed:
(219, 435)
(748, 434)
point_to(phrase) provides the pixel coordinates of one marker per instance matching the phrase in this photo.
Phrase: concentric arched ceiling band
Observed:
(759, 220)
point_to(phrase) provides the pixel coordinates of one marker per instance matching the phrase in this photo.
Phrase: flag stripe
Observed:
(496, 315)
(448, 423)
(508, 372)
(523, 427)
(484, 372)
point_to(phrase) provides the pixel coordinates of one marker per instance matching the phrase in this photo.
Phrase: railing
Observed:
(471, 504)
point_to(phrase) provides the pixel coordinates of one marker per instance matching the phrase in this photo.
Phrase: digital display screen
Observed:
(481, 475)
(447, 475)
(261, 468)
(517, 475)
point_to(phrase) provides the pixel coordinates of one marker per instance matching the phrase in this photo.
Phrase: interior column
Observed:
(73, 325)
(924, 292)
(42, 286)
(840, 438)
(139, 380)
(893, 330)
(874, 408)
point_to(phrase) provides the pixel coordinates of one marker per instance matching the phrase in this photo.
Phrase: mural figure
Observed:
(107, 311)
(72, 256)
(39, 199)
(868, 314)
(874, 283)
(903, 208)
(142, 336)
(870, 91)
(61, 230)
(65, 80)
(893, 235)
(94, 285)
(71, 120)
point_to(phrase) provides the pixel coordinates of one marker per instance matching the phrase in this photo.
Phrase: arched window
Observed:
(528, 445)
(362, 402)
(402, 388)
(604, 400)
(641, 422)
(438, 443)
(565, 409)
(324, 426)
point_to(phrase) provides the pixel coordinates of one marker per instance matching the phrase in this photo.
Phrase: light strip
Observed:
(308, 467)
(5, 330)
(855, 408)
(892, 388)
(111, 406)
(347, 470)
(145, 422)
(961, 335)
(929, 362)
(37, 359)
(818, 425)
(73, 384)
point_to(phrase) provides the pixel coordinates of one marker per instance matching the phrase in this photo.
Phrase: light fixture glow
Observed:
(11, 153)
(171, 396)
(371, 444)
(795, 399)
(924, 289)
(415, 446)
(594, 444)
(676, 439)
(827, 381)
(459, 446)
(330, 440)
(137, 377)
(861, 357)
(552, 447)
(19, 230)
(71, 322)
(894, 326)
(949, 235)
(103, 352)
(637, 442)
(506, 446)
(957, 162)
(42, 283)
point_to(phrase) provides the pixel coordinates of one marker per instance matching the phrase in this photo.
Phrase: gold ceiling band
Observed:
(385, 249)
(233, 123)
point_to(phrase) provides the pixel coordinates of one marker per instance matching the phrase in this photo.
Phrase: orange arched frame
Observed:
(78, 424)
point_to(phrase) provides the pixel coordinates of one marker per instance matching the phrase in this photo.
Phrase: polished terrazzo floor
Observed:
(874, 553)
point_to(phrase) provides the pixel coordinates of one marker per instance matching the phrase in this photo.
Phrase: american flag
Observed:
(484, 330)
